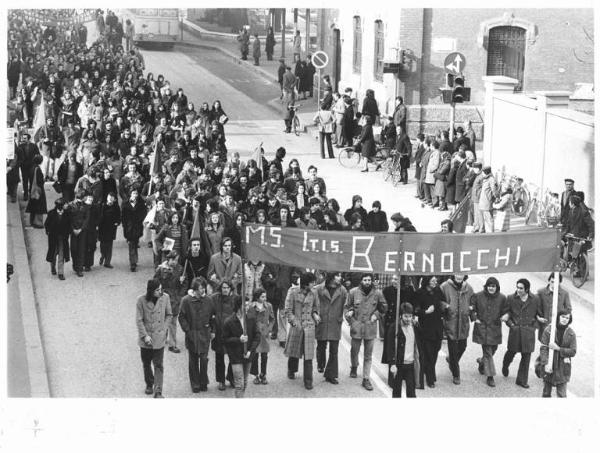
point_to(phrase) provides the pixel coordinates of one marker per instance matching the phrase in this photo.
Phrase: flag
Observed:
(150, 216)
(461, 214)
(196, 227)
(258, 158)
(156, 164)
(39, 120)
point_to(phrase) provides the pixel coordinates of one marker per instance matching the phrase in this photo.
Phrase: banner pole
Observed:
(397, 322)
(554, 316)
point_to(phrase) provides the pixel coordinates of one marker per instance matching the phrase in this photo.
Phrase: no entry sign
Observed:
(320, 59)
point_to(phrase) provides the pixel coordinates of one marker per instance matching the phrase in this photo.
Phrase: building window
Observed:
(378, 53)
(357, 49)
(506, 53)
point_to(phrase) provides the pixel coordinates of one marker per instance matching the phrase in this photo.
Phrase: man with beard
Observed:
(402, 353)
(558, 373)
(487, 308)
(331, 295)
(457, 293)
(364, 307)
(197, 321)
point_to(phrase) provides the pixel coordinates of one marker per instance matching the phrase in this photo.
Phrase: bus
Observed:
(154, 25)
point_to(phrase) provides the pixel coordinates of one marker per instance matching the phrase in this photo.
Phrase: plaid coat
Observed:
(299, 311)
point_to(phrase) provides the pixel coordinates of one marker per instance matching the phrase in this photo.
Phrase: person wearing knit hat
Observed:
(558, 372)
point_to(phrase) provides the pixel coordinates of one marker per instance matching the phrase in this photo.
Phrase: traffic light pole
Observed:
(452, 113)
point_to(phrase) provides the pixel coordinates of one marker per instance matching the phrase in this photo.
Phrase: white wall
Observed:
(384, 91)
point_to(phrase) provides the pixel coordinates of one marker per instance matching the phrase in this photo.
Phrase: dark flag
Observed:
(198, 232)
(460, 215)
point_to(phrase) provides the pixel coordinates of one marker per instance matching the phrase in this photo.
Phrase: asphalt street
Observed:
(87, 323)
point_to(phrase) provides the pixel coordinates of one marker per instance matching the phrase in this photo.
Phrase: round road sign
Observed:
(455, 63)
(320, 59)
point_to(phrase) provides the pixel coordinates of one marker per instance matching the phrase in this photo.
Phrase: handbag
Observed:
(57, 186)
(36, 192)
(223, 119)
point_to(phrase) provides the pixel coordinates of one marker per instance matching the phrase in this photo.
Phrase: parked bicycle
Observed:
(574, 257)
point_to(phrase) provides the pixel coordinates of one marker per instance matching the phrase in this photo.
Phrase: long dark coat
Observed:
(460, 190)
(197, 321)
(110, 218)
(367, 141)
(37, 206)
(522, 322)
(487, 309)
(132, 219)
(223, 309)
(270, 43)
(430, 323)
(331, 312)
(392, 357)
(451, 183)
(57, 228)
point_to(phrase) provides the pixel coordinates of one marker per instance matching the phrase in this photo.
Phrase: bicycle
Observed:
(351, 156)
(295, 125)
(574, 257)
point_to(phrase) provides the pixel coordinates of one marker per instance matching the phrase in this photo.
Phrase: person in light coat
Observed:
(302, 312)
(332, 296)
(253, 272)
(325, 121)
(153, 314)
(256, 49)
(297, 45)
(364, 307)
(225, 265)
(503, 208)
(486, 199)
(432, 165)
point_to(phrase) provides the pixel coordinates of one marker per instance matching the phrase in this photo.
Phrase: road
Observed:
(87, 323)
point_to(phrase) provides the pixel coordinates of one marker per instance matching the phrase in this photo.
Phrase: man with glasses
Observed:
(522, 310)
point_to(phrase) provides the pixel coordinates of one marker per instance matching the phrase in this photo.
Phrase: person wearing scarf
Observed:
(558, 373)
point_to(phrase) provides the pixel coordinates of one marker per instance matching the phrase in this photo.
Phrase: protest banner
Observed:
(421, 253)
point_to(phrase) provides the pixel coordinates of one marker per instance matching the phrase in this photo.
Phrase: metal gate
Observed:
(506, 53)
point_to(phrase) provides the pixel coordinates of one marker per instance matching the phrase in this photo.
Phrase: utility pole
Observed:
(307, 37)
(283, 33)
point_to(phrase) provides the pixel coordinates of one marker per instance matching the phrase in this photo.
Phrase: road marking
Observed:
(374, 377)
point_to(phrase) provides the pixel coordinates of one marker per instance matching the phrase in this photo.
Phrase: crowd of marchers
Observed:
(123, 150)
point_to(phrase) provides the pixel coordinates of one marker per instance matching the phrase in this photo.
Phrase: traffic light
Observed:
(458, 93)
(404, 59)
(449, 80)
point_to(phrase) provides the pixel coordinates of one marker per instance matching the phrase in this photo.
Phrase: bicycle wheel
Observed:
(348, 157)
(296, 125)
(389, 171)
(580, 270)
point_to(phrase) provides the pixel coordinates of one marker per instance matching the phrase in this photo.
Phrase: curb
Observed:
(36, 361)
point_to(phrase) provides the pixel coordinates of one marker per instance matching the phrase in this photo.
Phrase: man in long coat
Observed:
(256, 49)
(332, 296)
(546, 294)
(196, 318)
(302, 312)
(225, 265)
(487, 308)
(58, 227)
(522, 310)
(132, 218)
(364, 307)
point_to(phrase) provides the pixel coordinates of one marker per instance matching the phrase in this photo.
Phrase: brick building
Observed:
(545, 49)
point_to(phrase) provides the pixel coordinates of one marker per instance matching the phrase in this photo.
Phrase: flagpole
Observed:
(243, 289)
